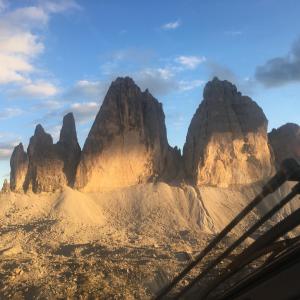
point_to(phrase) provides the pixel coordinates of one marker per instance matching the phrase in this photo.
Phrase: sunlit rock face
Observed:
(5, 187)
(227, 139)
(285, 142)
(127, 143)
(52, 166)
(19, 167)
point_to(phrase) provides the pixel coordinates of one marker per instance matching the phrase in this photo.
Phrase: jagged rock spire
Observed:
(285, 142)
(227, 141)
(52, 166)
(127, 143)
(69, 148)
(19, 167)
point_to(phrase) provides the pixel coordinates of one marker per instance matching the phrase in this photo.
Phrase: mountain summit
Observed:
(127, 143)
(227, 142)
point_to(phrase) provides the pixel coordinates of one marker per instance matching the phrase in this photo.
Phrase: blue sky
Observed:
(60, 56)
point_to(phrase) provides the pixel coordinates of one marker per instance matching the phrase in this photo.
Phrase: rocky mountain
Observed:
(227, 141)
(226, 145)
(285, 142)
(45, 169)
(18, 167)
(51, 166)
(127, 143)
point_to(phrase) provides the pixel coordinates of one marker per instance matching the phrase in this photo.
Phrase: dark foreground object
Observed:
(280, 280)
(267, 243)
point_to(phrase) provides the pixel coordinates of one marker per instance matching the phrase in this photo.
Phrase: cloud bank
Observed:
(281, 70)
(21, 43)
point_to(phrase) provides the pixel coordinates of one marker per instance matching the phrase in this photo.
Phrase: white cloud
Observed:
(54, 131)
(190, 62)
(6, 149)
(51, 104)
(187, 85)
(13, 68)
(21, 43)
(171, 25)
(88, 90)
(122, 58)
(85, 111)
(159, 81)
(25, 17)
(39, 89)
(10, 112)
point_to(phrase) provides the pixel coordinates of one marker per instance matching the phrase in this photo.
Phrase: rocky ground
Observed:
(42, 269)
(122, 245)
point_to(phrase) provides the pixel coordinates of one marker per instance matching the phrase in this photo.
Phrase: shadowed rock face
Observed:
(69, 148)
(227, 139)
(19, 167)
(127, 143)
(45, 166)
(285, 142)
(52, 166)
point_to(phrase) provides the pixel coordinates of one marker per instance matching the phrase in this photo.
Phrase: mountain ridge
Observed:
(227, 144)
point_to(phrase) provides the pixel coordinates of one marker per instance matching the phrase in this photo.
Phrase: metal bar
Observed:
(257, 277)
(251, 230)
(211, 245)
(250, 254)
(288, 168)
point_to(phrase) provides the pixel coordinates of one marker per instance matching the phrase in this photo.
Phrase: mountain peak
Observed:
(68, 130)
(227, 139)
(127, 143)
(219, 90)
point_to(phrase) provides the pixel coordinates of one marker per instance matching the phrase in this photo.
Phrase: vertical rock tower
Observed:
(285, 142)
(52, 166)
(68, 148)
(18, 167)
(45, 166)
(227, 140)
(127, 143)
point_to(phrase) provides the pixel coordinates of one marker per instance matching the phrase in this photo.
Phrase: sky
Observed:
(61, 55)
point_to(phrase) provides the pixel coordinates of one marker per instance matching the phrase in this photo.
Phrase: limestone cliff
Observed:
(45, 168)
(127, 143)
(285, 142)
(19, 167)
(52, 166)
(227, 141)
